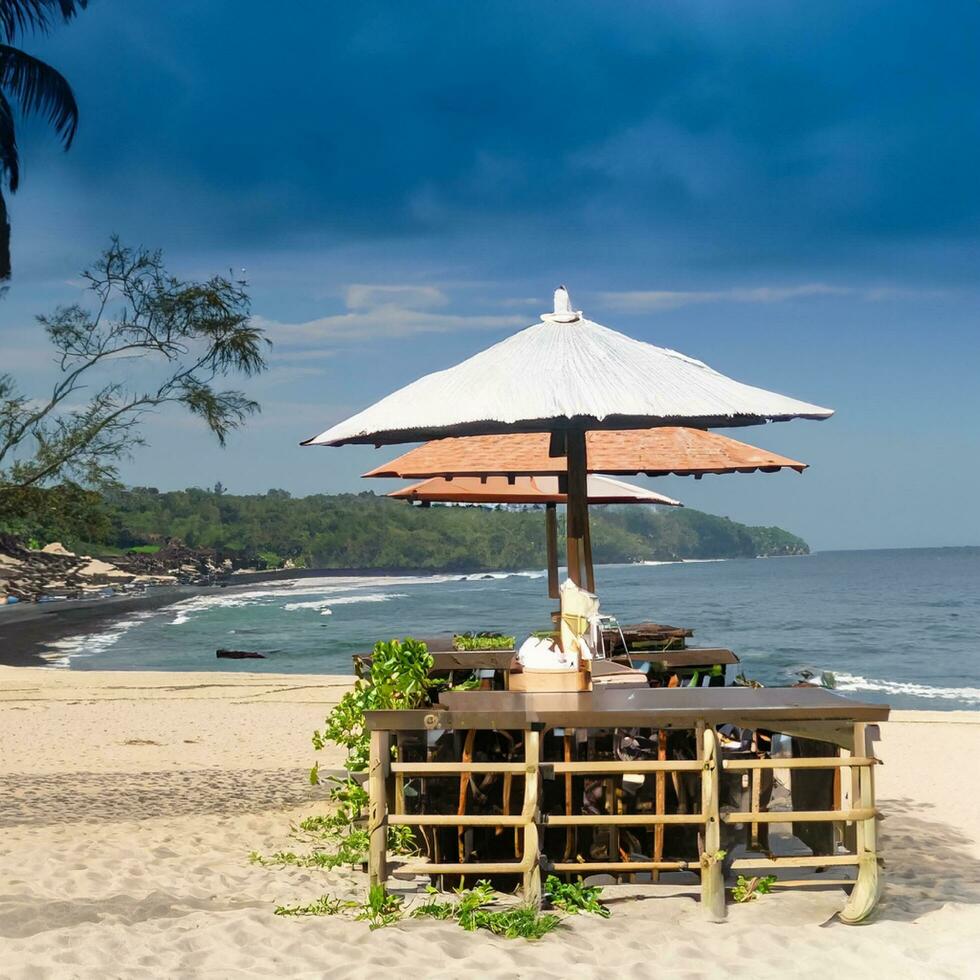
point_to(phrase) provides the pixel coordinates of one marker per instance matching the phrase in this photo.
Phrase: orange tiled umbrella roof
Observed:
(525, 490)
(655, 452)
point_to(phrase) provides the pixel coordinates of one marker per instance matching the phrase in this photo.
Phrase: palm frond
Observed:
(4, 243)
(9, 158)
(18, 17)
(39, 89)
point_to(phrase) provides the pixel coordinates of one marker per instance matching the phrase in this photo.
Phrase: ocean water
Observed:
(899, 626)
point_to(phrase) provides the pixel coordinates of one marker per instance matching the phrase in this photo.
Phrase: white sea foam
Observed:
(481, 576)
(855, 682)
(63, 651)
(348, 600)
(324, 592)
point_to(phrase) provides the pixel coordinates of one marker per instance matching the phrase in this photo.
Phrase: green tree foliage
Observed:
(371, 532)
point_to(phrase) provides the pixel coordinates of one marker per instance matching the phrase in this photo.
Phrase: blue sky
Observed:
(787, 191)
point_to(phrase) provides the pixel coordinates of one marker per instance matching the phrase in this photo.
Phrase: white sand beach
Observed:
(129, 803)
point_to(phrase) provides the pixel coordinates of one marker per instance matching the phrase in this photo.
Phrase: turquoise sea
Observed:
(901, 626)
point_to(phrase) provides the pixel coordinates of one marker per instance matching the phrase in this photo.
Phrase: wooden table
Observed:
(810, 713)
(683, 662)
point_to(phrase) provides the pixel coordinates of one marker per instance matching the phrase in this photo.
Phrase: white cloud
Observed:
(385, 311)
(365, 296)
(655, 301)
(389, 321)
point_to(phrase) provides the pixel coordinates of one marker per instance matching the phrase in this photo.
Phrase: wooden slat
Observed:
(503, 868)
(620, 819)
(595, 867)
(814, 762)
(792, 816)
(813, 883)
(795, 861)
(456, 820)
(454, 768)
(639, 766)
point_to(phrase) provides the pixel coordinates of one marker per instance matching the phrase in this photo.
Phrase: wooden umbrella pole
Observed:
(551, 533)
(577, 506)
(587, 553)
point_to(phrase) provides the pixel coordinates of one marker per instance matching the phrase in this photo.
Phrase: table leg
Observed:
(532, 848)
(712, 880)
(378, 774)
(867, 888)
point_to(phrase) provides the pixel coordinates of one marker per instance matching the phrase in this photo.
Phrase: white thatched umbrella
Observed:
(566, 375)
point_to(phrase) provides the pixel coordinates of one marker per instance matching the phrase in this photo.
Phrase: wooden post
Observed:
(660, 802)
(712, 880)
(867, 888)
(378, 772)
(532, 847)
(551, 537)
(570, 831)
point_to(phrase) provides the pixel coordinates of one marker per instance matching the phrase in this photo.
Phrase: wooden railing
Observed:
(709, 766)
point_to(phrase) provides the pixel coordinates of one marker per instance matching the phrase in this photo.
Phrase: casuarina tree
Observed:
(143, 341)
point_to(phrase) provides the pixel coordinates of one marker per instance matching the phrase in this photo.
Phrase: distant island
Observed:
(367, 531)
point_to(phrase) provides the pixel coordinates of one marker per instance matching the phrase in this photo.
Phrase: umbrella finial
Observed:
(563, 308)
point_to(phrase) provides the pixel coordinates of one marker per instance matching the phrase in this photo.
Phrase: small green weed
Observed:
(574, 897)
(519, 922)
(748, 889)
(381, 908)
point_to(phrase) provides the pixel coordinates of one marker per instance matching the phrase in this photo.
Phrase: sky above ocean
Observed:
(788, 192)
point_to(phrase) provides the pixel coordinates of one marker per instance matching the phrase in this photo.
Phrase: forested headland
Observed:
(367, 531)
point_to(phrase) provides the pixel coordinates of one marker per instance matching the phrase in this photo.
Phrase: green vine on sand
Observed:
(472, 910)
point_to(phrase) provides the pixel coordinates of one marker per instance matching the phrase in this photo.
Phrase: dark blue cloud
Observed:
(840, 123)
(824, 154)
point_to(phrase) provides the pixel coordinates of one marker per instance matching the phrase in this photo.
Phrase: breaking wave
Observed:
(855, 682)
